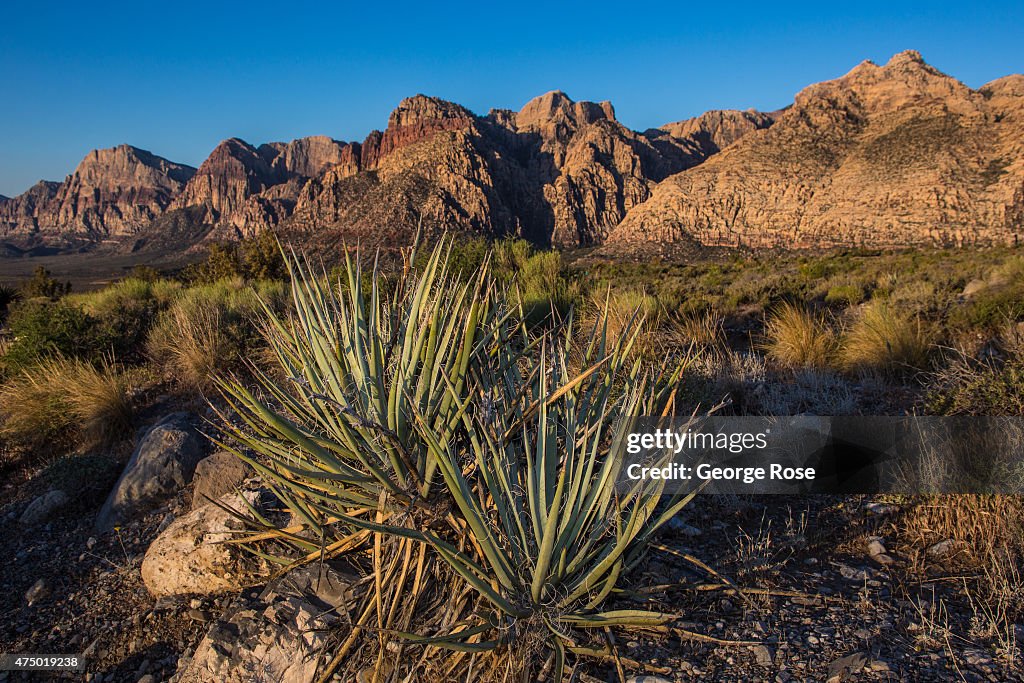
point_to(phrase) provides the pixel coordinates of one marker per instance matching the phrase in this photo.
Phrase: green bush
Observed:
(40, 328)
(257, 258)
(42, 285)
(845, 295)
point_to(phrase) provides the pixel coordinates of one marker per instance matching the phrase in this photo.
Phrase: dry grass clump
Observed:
(883, 338)
(209, 328)
(705, 329)
(795, 337)
(190, 342)
(61, 397)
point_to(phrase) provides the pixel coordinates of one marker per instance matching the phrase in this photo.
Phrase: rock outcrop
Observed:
(899, 154)
(281, 633)
(713, 131)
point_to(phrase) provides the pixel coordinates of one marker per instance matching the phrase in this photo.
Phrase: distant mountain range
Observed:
(899, 154)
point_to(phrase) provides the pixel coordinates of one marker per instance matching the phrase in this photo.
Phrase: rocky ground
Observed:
(830, 589)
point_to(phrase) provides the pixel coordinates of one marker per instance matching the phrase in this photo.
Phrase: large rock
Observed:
(217, 475)
(163, 463)
(190, 558)
(278, 634)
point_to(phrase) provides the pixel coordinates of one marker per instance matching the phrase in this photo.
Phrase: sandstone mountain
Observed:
(113, 191)
(899, 154)
(886, 155)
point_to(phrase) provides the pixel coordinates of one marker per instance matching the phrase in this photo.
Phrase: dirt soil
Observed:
(813, 604)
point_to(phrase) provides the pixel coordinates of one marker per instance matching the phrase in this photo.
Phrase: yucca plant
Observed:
(359, 367)
(476, 464)
(337, 442)
(538, 482)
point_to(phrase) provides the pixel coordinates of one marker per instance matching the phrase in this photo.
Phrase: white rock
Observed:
(189, 558)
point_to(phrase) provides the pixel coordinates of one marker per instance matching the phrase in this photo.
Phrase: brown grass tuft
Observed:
(797, 338)
(67, 398)
(190, 343)
(883, 338)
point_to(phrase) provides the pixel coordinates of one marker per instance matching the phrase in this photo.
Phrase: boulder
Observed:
(277, 634)
(189, 557)
(40, 509)
(163, 463)
(216, 475)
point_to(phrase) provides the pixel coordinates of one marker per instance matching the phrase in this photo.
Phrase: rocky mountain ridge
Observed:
(885, 155)
(890, 155)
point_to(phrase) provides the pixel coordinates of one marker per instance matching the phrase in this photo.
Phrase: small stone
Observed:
(844, 667)
(853, 573)
(940, 549)
(880, 509)
(195, 603)
(90, 543)
(148, 678)
(39, 591)
(763, 655)
(976, 657)
(876, 546)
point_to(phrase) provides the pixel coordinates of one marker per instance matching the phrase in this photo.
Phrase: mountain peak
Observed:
(556, 107)
(420, 109)
(906, 57)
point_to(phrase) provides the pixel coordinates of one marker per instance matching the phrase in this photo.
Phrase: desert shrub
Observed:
(468, 254)
(510, 256)
(541, 287)
(621, 309)
(40, 328)
(191, 340)
(844, 295)
(480, 466)
(261, 258)
(701, 329)
(808, 391)
(61, 399)
(209, 328)
(886, 339)
(42, 285)
(255, 258)
(797, 338)
(967, 386)
(221, 262)
(144, 273)
(126, 310)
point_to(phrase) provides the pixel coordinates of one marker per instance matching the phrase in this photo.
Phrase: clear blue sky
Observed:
(176, 78)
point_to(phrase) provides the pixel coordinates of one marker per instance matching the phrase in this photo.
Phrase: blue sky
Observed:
(176, 78)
